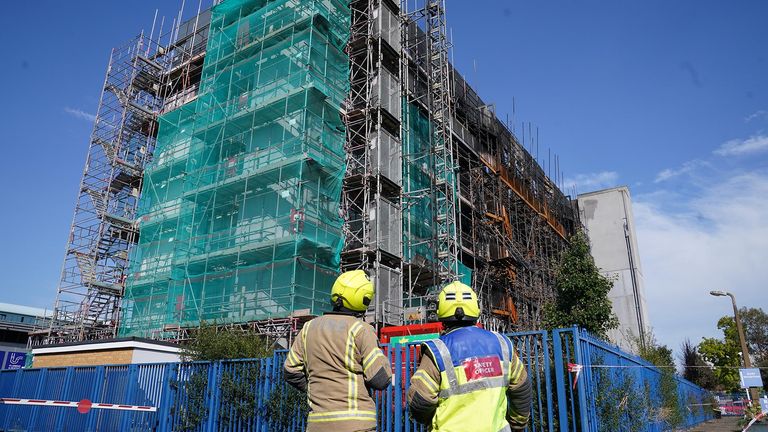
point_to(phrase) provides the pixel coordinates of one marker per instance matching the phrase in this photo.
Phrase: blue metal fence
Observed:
(618, 391)
(250, 395)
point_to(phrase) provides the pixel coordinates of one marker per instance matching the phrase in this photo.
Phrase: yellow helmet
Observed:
(352, 290)
(457, 302)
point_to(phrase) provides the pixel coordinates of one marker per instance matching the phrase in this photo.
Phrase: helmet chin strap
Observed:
(338, 306)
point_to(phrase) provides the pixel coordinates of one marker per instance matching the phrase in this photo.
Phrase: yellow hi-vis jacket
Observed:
(336, 359)
(465, 380)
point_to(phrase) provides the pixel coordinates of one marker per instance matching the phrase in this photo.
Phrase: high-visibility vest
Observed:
(475, 369)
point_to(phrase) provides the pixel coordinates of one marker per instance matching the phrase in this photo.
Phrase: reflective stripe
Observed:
(472, 386)
(304, 331)
(350, 364)
(342, 415)
(504, 356)
(292, 360)
(371, 357)
(506, 428)
(427, 380)
(519, 367)
(450, 372)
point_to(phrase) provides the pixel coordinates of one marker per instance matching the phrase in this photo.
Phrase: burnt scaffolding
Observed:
(235, 169)
(467, 200)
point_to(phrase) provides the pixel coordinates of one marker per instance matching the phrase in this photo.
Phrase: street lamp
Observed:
(739, 328)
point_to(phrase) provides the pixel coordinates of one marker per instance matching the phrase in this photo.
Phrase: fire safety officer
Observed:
(336, 360)
(467, 377)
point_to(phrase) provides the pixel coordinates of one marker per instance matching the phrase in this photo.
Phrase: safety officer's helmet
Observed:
(352, 290)
(457, 302)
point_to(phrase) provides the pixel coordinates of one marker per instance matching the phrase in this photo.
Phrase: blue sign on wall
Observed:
(15, 360)
(764, 404)
(750, 378)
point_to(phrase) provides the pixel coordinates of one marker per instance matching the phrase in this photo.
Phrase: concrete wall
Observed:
(607, 217)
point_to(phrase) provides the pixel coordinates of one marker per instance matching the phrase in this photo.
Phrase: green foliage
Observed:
(671, 409)
(755, 322)
(723, 355)
(695, 368)
(619, 404)
(213, 343)
(194, 412)
(763, 365)
(238, 383)
(238, 388)
(285, 404)
(648, 348)
(581, 292)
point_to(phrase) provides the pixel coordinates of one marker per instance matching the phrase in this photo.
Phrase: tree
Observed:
(695, 369)
(755, 322)
(724, 354)
(581, 292)
(213, 343)
(237, 382)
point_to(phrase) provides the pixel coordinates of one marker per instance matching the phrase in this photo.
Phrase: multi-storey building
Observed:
(609, 223)
(240, 162)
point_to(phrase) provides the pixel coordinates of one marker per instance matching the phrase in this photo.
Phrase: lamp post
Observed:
(740, 329)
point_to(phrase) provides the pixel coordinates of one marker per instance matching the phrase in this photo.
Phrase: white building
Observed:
(607, 217)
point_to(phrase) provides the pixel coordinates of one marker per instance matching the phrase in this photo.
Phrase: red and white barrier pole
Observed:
(83, 406)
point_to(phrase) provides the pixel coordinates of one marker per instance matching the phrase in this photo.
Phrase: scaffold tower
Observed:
(103, 229)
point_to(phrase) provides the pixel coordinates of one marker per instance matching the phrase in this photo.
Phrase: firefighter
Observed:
(467, 377)
(336, 359)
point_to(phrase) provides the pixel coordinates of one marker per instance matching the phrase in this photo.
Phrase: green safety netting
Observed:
(419, 228)
(239, 212)
(418, 213)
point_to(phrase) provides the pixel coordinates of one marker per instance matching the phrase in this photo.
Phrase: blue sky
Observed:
(669, 98)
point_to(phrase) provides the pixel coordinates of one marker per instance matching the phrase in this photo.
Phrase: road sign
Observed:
(750, 378)
(15, 360)
(764, 404)
(401, 340)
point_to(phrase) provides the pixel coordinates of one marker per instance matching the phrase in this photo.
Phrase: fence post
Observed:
(547, 379)
(581, 388)
(214, 394)
(398, 386)
(41, 379)
(132, 378)
(98, 383)
(562, 402)
(68, 377)
(166, 398)
(9, 409)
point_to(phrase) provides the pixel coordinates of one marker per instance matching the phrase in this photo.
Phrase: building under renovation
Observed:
(242, 159)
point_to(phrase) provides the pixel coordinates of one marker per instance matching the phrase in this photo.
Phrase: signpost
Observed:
(750, 378)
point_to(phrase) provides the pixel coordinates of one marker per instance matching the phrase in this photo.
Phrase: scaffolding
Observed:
(103, 230)
(286, 140)
(372, 185)
(239, 217)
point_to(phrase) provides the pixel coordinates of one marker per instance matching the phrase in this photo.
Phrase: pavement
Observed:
(725, 424)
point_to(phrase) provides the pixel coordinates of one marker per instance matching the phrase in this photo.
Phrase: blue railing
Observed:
(618, 391)
(614, 391)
